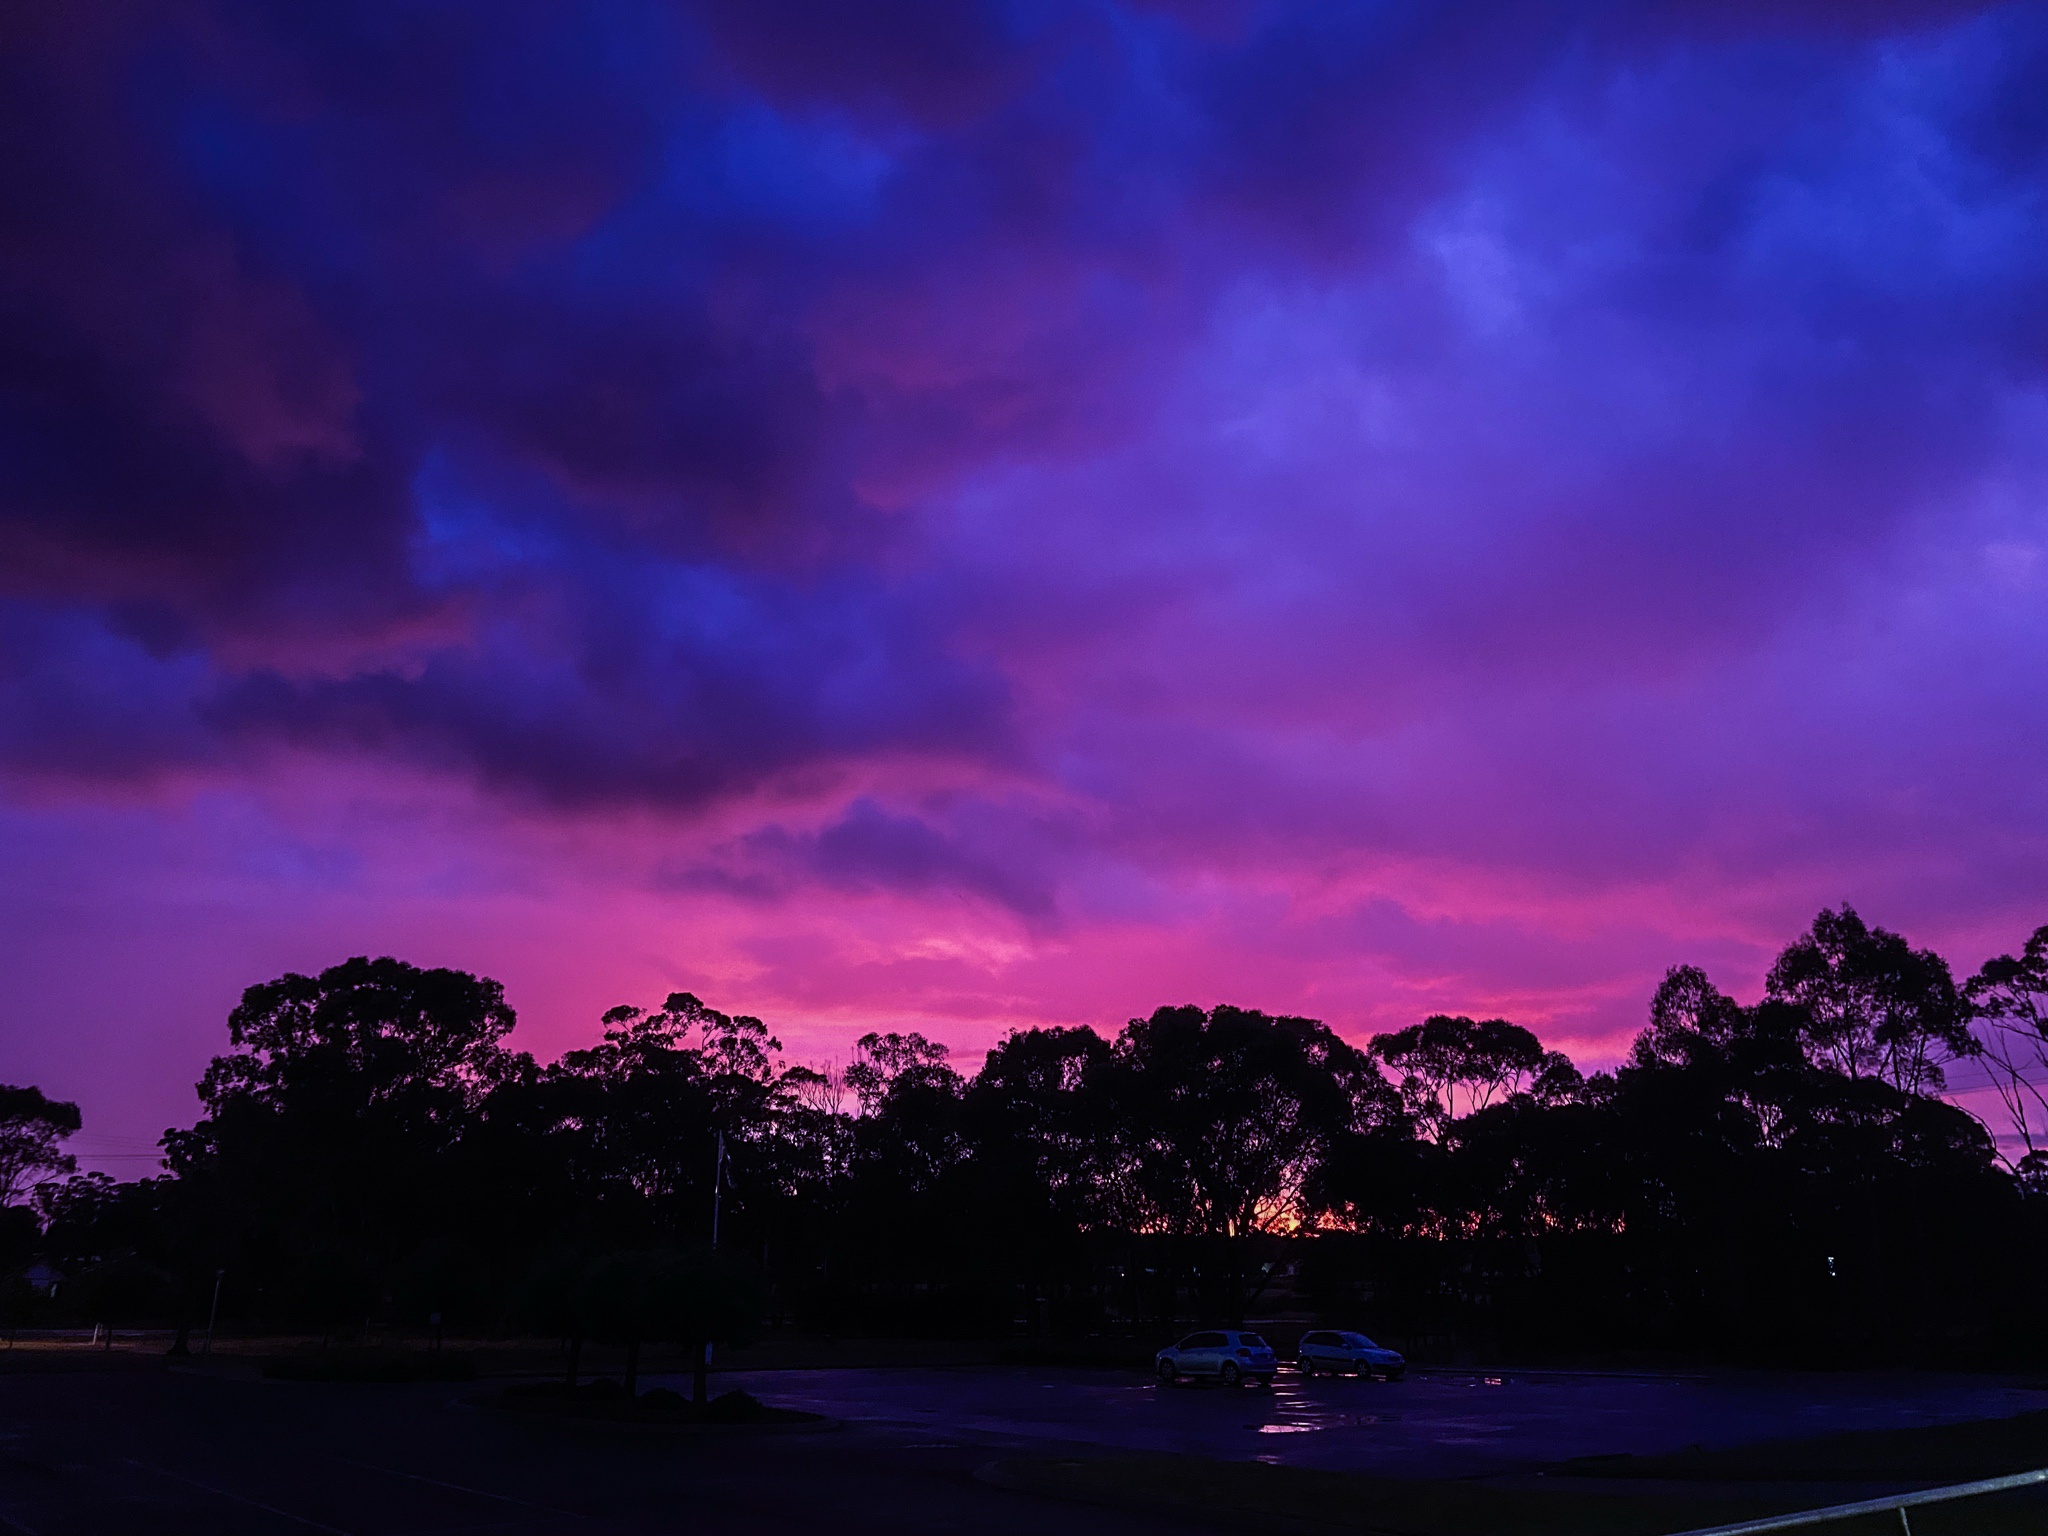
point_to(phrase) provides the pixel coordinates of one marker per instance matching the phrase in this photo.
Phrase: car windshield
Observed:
(1359, 1341)
(1251, 1341)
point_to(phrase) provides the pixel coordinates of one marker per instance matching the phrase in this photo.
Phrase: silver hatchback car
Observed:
(1328, 1350)
(1225, 1355)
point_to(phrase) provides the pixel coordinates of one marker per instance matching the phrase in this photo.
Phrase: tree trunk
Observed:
(575, 1358)
(699, 1385)
(633, 1369)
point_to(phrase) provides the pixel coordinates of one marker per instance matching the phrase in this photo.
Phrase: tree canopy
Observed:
(31, 1126)
(1784, 1170)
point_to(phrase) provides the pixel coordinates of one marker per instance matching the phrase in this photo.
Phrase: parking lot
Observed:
(1431, 1424)
(150, 1451)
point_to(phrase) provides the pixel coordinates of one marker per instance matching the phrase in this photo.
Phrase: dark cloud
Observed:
(691, 439)
(650, 691)
(178, 425)
(79, 701)
(936, 62)
(608, 405)
(985, 852)
(1388, 508)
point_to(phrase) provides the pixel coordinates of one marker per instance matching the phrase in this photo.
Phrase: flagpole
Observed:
(717, 1190)
(717, 1198)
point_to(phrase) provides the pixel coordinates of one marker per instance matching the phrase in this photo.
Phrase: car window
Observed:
(1360, 1341)
(1315, 1338)
(1251, 1341)
(1202, 1341)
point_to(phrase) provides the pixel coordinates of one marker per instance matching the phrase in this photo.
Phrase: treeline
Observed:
(1753, 1181)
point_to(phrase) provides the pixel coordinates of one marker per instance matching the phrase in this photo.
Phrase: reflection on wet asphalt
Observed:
(1426, 1426)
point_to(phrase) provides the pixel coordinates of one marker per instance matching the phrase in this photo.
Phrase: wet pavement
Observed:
(1429, 1425)
(157, 1453)
(179, 1454)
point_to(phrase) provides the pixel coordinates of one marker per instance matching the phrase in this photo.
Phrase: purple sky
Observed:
(955, 516)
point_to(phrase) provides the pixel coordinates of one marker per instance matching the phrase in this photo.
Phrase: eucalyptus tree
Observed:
(31, 1128)
(1447, 1057)
(325, 1153)
(1221, 1116)
(2008, 998)
(1873, 1005)
(1044, 1123)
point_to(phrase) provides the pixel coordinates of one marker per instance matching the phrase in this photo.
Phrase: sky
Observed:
(958, 516)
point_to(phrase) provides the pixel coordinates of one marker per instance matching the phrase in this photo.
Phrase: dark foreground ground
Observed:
(168, 1454)
(962, 1450)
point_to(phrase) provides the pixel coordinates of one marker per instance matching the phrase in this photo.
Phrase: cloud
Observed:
(988, 853)
(1002, 507)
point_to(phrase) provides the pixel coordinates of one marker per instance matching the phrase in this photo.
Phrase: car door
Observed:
(1204, 1354)
(1310, 1351)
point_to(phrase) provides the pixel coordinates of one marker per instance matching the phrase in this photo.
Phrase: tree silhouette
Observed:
(880, 1061)
(1222, 1114)
(2009, 997)
(31, 1126)
(1043, 1118)
(1444, 1055)
(1772, 1176)
(1874, 1005)
(332, 1130)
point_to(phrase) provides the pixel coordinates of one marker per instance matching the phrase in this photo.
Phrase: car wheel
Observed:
(1168, 1373)
(1229, 1375)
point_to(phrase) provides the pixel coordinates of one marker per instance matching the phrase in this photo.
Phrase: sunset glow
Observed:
(977, 515)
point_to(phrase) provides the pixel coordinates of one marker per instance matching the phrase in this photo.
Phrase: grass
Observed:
(1943, 1453)
(1255, 1496)
(1697, 1488)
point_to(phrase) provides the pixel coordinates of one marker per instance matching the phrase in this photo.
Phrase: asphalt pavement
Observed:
(168, 1453)
(1432, 1424)
(161, 1454)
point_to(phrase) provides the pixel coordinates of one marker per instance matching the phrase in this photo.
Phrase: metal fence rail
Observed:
(1897, 1503)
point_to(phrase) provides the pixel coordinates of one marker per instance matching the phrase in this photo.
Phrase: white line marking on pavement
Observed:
(268, 1509)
